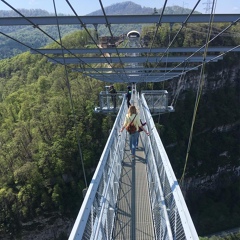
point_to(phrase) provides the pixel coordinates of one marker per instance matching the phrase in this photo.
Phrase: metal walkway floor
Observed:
(134, 218)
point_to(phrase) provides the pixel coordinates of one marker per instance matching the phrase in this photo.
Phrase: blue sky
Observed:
(84, 7)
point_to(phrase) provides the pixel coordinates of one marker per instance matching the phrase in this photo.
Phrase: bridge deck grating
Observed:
(134, 219)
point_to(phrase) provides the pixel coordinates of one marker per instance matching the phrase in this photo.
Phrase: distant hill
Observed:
(36, 39)
(126, 8)
(25, 12)
(27, 34)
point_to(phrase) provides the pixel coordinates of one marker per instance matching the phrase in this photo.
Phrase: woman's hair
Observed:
(132, 110)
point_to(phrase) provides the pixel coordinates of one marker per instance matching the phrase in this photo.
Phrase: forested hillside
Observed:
(212, 177)
(40, 163)
(41, 178)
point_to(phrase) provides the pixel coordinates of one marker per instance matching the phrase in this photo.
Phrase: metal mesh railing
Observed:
(170, 213)
(96, 216)
(109, 102)
(157, 101)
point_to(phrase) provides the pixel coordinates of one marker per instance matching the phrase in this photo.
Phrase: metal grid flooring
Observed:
(134, 219)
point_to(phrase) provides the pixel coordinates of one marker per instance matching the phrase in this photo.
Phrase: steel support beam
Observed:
(117, 19)
(132, 70)
(133, 50)
(134, 75)
(82, 60)
(136, 79)
(127, 76)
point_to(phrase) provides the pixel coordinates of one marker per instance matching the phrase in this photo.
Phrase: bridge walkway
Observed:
(134, 218)
(134, 200)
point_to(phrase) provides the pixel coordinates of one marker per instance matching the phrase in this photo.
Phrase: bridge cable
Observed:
(45, 33)
(71, 99)
(25, 45)
(179, 87)
(183, 25)
(158, 24)
(200, 87)
(233, 23)
(35, 50)
(180, 84)
(93, 68)
(200, 65)
(84, 26)
(109, 28)
(166, 62)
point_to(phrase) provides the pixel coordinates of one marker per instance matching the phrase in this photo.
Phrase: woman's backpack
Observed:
(131, 127)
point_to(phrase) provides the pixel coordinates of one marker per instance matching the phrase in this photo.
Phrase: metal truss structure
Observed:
(117, 19)
(129, 64)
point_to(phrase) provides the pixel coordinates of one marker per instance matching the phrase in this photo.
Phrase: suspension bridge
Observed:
(134, 199)
(126, 198)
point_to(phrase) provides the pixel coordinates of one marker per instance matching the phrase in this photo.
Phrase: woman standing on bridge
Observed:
(133, 119)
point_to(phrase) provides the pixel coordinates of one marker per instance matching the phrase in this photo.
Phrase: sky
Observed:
(83, 7)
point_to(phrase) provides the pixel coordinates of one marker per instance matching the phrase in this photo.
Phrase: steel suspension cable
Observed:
(109, 28)
(183, 24)
(166, 62)
(25, 45)
(158, 24)
(84, 26)
(220, 33)
(45, 33)
(200, 87)
(71, 100)
(68, 84)
(222, 54)
(36, 26)
(35, 50)
(179, 87)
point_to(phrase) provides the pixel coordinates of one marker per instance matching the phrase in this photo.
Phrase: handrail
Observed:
(181, 223)
(104, 185)
(170, 214)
